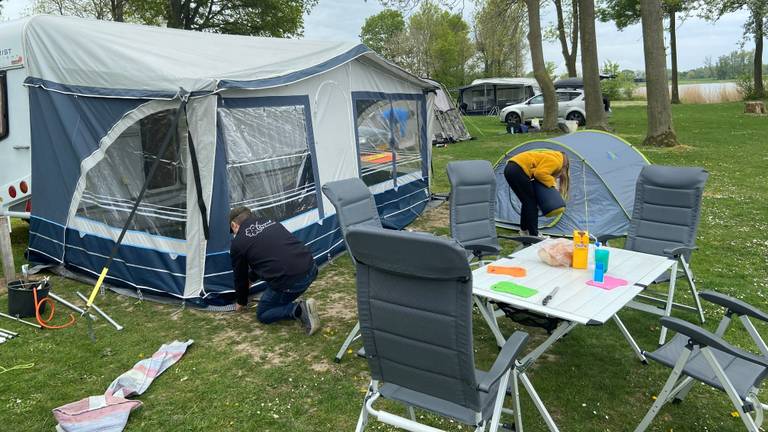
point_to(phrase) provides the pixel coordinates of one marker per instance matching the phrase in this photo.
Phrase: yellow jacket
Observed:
(540, 164)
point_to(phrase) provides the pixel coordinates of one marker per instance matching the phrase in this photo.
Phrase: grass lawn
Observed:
(240, 375)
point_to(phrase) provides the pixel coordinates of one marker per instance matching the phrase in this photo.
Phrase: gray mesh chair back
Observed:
(472, 201)
(353, 202)
(415, 306)
(667, 209)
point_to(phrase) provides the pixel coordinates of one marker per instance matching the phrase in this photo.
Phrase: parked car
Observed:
(570, 106)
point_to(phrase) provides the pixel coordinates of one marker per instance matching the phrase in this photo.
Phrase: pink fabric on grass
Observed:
(109, 413)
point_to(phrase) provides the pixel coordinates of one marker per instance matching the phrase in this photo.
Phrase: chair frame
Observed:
(677, 388)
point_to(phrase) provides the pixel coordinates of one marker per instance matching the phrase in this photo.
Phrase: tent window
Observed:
(389, 135)
(405, 128)
(510, 95)
(269, 163)
(373, 137)
(113, 185)
(3, 106)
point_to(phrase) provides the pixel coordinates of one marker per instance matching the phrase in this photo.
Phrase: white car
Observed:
(570, 106)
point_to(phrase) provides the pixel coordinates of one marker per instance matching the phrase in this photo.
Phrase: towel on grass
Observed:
(109, 413)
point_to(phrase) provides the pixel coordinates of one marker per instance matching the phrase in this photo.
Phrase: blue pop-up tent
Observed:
(603, 172)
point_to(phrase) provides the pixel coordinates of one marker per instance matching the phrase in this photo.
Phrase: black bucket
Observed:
(21, 302)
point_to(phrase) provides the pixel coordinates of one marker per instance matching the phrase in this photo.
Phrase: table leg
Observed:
(562, 329)
(491, 321)
(670, 300)
(630, 339)
(538, 403)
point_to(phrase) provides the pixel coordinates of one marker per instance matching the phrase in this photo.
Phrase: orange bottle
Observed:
(580, 249)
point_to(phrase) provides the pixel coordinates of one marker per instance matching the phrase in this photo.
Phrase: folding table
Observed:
(575, 302)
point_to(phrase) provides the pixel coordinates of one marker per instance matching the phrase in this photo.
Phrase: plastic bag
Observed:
(557, 253)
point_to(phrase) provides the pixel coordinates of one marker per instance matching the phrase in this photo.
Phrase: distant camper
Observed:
(488, 95)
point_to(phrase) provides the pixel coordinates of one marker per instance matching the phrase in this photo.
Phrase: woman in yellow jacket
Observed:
(549, 167)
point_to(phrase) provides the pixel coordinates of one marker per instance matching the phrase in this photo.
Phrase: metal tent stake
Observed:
(101, 312)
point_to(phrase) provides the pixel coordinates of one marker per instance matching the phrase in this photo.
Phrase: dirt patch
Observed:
(338, 308)
(248, 343)
(321, 366)
(434, 219)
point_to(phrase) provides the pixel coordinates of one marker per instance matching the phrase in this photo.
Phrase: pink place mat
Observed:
(608, 283)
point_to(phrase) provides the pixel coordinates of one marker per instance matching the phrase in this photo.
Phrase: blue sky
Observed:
(697, 39)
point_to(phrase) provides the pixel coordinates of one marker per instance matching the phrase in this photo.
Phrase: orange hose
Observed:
(44, 322)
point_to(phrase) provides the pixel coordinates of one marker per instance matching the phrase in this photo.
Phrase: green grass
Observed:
(241, 375)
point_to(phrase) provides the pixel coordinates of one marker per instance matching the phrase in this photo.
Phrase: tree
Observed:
(440, 44)
(593, 97)
(385, 33)
(660, 131)
(500, 37)
(278, 18)
(569, 55)
(539, 66)
(756, 26)
(627, 12)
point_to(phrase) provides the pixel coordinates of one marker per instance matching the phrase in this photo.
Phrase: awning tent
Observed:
(448, 125)
(603, 172)
(269, 120)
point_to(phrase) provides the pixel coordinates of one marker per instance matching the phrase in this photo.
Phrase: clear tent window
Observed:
(270, 165)
(388, 136)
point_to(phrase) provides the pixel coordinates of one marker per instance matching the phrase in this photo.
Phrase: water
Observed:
(715, 92)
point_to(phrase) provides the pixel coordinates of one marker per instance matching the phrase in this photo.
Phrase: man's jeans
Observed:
(275, 305)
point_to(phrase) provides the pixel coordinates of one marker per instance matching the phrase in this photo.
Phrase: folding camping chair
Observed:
(472, 201)
(664, 222)
(706, 357)
(354, 206)
(414, 297)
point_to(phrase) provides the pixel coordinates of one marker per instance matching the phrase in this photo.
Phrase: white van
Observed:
(15, 150)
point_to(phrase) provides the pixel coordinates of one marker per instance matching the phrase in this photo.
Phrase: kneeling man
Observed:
(278, 258)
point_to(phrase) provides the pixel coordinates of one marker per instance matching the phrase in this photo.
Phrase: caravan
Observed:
(15, 150)
(261, 122)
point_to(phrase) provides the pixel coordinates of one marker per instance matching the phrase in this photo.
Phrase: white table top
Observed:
(575, 300)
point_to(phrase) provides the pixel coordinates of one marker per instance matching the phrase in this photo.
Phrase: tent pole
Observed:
(184, 96)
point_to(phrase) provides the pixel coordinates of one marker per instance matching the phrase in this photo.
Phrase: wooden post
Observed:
(6, 252)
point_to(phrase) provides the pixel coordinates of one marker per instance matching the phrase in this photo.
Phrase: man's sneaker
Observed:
(309, 318)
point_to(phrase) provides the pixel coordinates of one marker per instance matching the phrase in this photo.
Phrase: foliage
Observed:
(730, 66)
(746, 84)
(500, 31)
(384, 33)
(625, 13)
(622, 87)
(241, 375)
(278, 18)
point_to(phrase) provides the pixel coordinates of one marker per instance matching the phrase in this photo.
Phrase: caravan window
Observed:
(3, 106)
(388, 136)
(269, 163)
(113, 185)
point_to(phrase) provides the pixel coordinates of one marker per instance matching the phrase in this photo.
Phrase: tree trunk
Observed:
(758, 61)
(568, 55)
(118, 10)
(593, 96)
(660, 132)
(673, 52)
(574, 34)
(539, 67)
(174, 14)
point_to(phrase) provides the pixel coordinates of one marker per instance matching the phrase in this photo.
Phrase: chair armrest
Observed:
(606, 237)
(733, 304)
(679, 250)
(484, 248)
(504, 361)
(704, 338)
